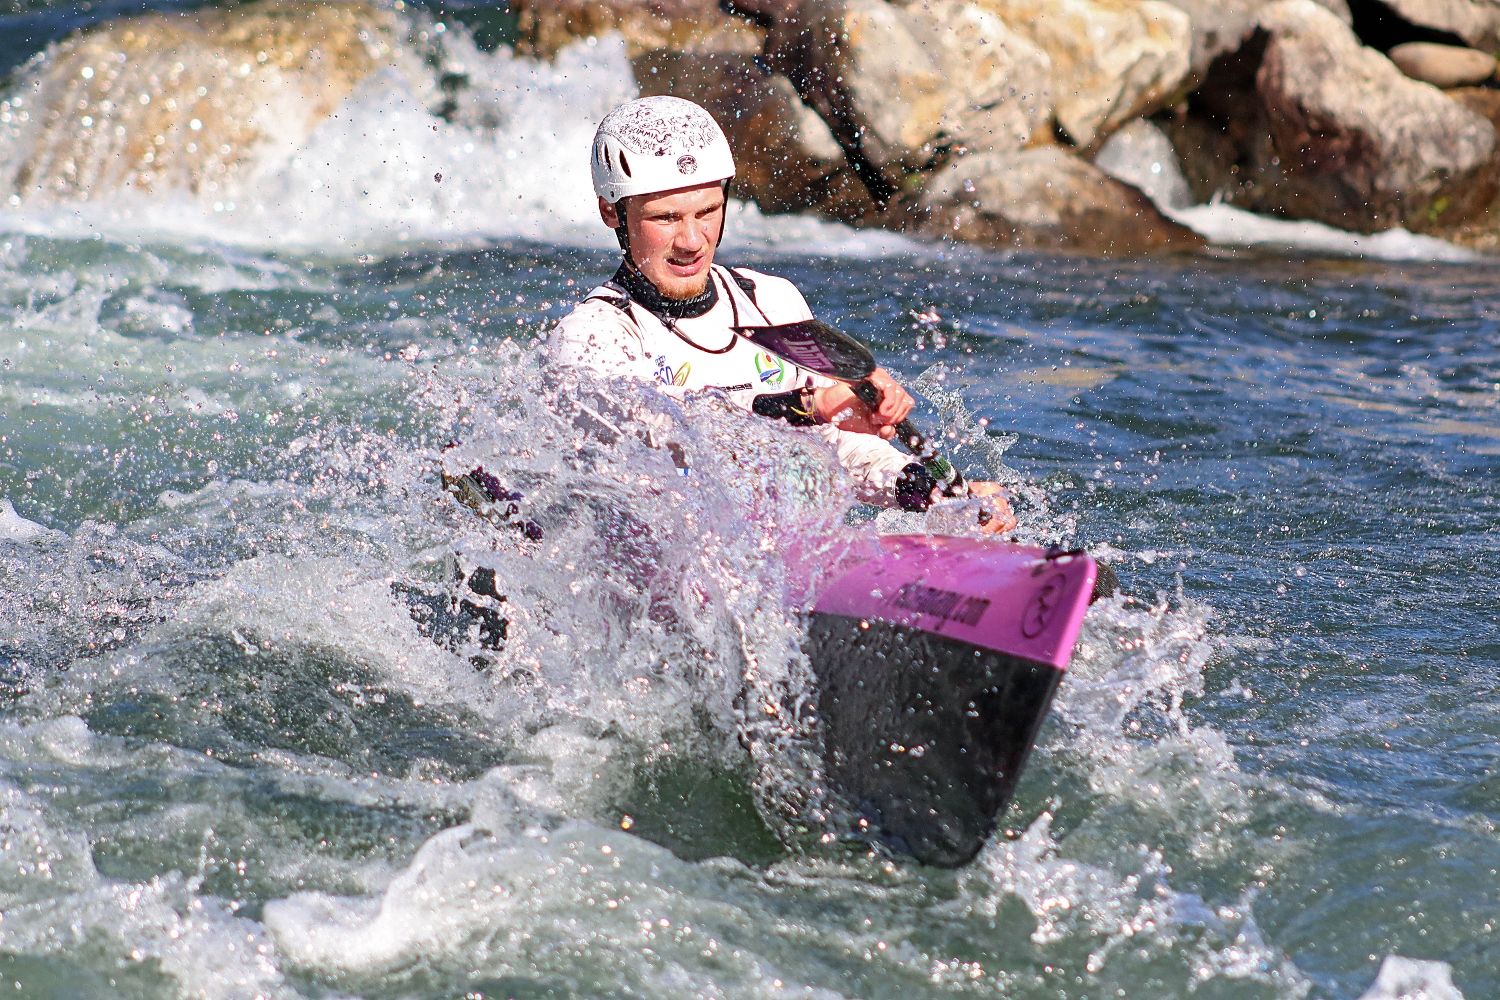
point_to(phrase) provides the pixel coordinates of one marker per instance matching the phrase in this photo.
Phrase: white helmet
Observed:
(658, 144)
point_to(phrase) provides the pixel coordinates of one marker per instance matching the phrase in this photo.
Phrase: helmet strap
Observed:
(622, 232)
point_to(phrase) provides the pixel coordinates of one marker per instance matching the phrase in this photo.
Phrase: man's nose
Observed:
(693, 234)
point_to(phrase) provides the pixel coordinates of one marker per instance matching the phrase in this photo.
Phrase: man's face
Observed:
(673, 236)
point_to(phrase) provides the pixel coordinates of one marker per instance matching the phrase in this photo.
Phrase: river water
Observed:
(231, 765)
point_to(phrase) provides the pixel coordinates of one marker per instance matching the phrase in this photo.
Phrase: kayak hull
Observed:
(936, 661)
(925, 737)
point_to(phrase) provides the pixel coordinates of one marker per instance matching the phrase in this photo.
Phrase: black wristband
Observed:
(914, 488)
(792, 407)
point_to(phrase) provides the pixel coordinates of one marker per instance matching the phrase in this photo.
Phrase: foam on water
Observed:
(58, 906)
(507, 159)
(1142, 155)
(1229, 226)
(1412, 979)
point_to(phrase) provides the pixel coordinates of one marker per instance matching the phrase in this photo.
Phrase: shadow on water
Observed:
(234, 699)
(698, 812)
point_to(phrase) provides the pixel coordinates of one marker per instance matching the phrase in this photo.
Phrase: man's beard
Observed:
(687, 294)
(677, 306)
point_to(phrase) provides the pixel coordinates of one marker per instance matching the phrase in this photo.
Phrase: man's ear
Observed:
(609, 214)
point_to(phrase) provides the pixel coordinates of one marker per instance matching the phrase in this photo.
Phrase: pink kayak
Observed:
(937, 659)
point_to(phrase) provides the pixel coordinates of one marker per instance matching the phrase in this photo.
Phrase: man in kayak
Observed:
(661, 170)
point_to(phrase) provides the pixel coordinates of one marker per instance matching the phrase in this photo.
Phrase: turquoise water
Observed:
(231, 766)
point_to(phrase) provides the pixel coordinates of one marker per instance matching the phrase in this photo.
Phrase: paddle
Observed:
(821, 348)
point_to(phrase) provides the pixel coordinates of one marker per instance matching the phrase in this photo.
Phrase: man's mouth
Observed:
(685, 267)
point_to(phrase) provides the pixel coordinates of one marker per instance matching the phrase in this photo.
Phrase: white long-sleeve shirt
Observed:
(611, 333)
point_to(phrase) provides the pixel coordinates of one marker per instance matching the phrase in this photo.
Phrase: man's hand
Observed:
(838, 405)
(993, 498)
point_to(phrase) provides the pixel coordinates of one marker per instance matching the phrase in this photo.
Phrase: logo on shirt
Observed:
(771, 368)
(669, 376)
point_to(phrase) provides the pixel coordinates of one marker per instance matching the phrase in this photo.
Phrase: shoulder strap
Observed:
(746, 283)
(614, 295)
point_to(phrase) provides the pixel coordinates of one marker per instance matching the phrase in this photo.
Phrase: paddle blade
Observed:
(816, 346)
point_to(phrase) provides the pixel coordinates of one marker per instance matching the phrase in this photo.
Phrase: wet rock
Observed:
(1445, 66)
(1481, 231)
(1476, 22)
(1112, 60)
(547, 26)
(1045, 198)
(858, 66)
(1002, 98)
(786, 158)
(1354, 142)
(1219, 28)
(187, 102)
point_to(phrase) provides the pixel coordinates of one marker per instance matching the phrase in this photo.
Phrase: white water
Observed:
(509, 163)
(531, 873)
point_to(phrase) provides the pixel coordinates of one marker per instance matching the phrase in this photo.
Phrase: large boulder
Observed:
(1045, 198)
(1001, 98)
(858, 65)
(1355, 142)
(1219, 28)
(1112, 60)
(544, 27)
(899, 90)
(188, 101)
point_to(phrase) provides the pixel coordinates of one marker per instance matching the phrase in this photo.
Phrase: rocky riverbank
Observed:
(1004, 123)
(986, 119)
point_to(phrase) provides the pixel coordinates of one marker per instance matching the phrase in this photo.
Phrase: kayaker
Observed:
(661, 170)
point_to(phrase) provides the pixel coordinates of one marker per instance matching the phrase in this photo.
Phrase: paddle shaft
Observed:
(950, 481)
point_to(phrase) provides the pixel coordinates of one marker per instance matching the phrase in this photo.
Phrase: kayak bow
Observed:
(937, 659)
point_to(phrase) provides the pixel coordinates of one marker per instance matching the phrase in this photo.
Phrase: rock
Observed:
(1112, 60)
(1480, 231)
(189, 101)
(1141, 155)
(900, 91)
(856, 65)
(1476, 22)
(786, 159)
(1445, 66)
(1045, 198)
(1481, 101)
(1355, 143)
(546, 26)
(1219, 28)
(1002, 97)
